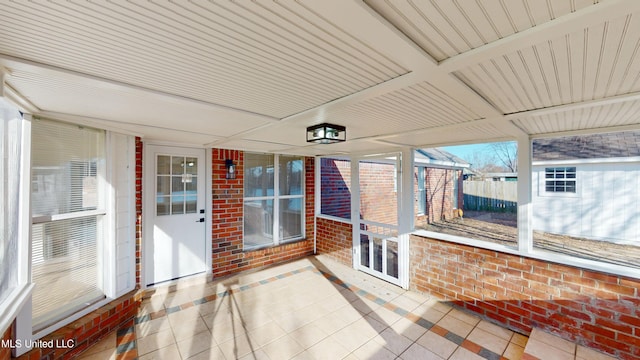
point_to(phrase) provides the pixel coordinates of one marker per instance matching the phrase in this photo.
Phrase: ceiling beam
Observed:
(566, 24)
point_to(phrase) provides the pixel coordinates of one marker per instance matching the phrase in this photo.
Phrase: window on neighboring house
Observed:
(560, 179)
(273, 200)
(68, 209)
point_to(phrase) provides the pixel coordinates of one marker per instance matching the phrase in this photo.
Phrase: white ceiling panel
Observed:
(253, 75)
(598, 62)
(445, 28)
(604, 116)
(267, 57)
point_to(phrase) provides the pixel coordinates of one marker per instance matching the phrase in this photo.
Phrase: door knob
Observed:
(200, 220)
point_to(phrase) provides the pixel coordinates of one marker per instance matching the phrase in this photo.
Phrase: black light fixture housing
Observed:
(326, 133)
(231, 169)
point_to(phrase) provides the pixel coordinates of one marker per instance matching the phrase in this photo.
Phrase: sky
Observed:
(466, 151)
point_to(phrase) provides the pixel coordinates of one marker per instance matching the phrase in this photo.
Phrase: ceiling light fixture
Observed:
(326, 133)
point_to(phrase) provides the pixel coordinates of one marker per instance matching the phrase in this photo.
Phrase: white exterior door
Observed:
(381, 249)
(174, 190)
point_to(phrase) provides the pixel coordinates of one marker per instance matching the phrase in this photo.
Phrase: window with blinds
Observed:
(67, 191)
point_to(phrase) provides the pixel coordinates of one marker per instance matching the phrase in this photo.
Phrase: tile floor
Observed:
(312, 308)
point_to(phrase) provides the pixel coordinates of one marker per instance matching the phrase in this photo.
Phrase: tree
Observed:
(507, 154)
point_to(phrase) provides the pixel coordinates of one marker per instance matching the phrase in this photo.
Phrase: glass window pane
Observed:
(164, 167)
(191, 165)
(177, 205)
(290, 219)
(600, 222)
(258, 223)
(258, 175)
(364, 250)
(162, 205)
(191, 196)
(64, 268)
(291, 175)
(177, 185)
(177, 165)
(163, 185)
(67, 166)
(392, 259)
(335, 187)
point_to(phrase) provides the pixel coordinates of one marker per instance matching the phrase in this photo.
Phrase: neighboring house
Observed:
(500, 176)
(439, 176)
(437, 184)
(587, 186)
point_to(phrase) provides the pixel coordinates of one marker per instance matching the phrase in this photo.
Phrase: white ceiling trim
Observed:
(40, 67)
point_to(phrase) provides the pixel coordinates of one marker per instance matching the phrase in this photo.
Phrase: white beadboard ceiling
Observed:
(253, 75)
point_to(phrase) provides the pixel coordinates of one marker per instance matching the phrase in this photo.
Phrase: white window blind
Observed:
(68, 168)
(10, 139)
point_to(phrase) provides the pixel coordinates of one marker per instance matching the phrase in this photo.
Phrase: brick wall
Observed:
(440, 198)
(336, 187)
(591, 308)
(228, 256)
(334, 238)
(89, 329)
(138, 195)
(5, 352)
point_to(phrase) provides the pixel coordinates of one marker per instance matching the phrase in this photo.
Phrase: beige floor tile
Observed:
(583, 353)
(455, 325)
(212, 353)
(409, 329)
(176, 299)
(291, 322)
(283, 348)
(183, 316)
(393, 341)
(168, 352)
(488, 340)
(308, 335)
(374, 351)
(104, 354)
(552, 340)
(385, 316)
(237, 347)
(405, 302)
(327, 349)
(195, 345)
(103, 346)
(545, 351)
(519, 339)
(266, 333)
(188, 328)
(464, 354)
(495, 330)
(417, 352)
(464, 316)
(330, 323)
(513, 352)
(365, 306)
(155, 341)
(420, 298)
(256, 355)
(429, 313)
(355, 335)
(437, 344)
(152, 326)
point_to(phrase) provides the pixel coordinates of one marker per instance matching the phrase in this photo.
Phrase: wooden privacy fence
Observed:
(499, 196)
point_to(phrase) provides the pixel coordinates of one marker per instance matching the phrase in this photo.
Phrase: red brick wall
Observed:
(227, 220)
(89, 329)
(334, 238)
(439, 193)
(138, 145)
(591, 308)
(378, 196)
(336, 187)
(5, 352)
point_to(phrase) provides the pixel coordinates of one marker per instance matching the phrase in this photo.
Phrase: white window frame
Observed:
(422, 190)
(19, 311)
(542, 181)
(525, 226)
(276, 197)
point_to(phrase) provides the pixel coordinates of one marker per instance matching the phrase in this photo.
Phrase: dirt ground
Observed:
(502, 228)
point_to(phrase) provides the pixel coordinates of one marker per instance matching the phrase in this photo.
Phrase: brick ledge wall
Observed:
(590, 308)
(89, 329)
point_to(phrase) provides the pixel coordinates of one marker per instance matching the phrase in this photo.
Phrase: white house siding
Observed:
(124, 178)
(606, 205)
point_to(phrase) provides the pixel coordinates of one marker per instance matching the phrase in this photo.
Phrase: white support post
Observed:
(405, 214)
(525, 230)
(355, 210)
